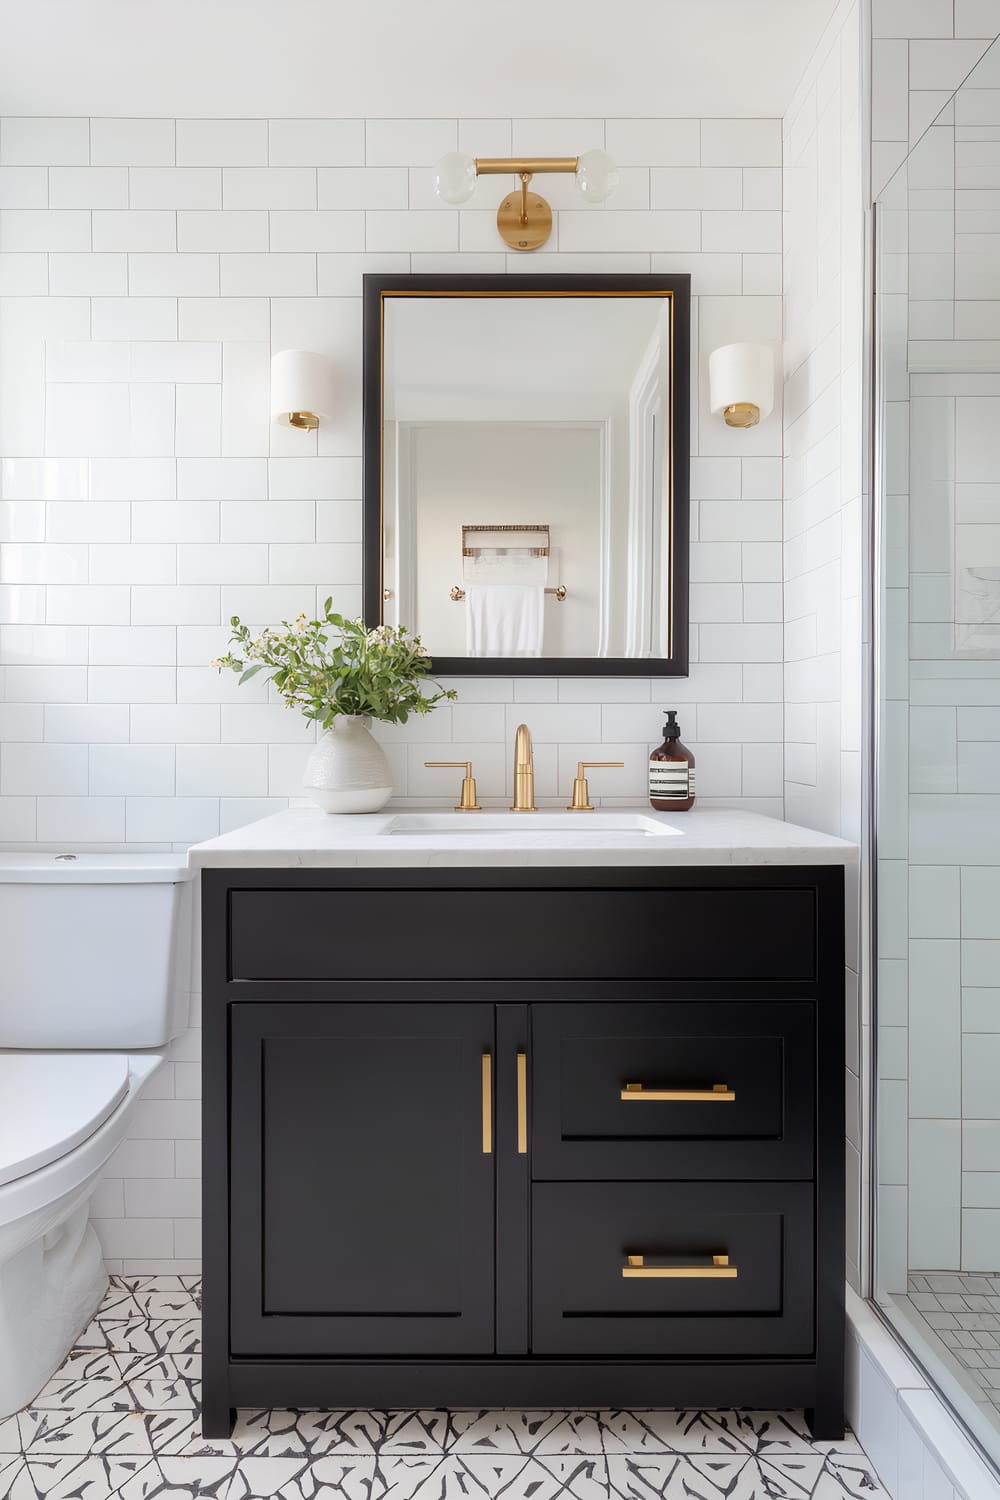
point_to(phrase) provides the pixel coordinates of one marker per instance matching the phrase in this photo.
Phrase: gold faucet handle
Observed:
(581, 791)
(468, 801)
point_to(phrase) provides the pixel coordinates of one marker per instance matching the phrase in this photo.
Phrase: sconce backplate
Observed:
(524, 236)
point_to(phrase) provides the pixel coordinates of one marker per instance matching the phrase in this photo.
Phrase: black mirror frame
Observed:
(678, 287)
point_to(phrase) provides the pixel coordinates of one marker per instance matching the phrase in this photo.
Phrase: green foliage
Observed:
(335, 666)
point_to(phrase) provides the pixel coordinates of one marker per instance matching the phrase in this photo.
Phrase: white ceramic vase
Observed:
(347, 771)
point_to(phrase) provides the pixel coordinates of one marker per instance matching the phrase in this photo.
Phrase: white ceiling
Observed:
(404, 58)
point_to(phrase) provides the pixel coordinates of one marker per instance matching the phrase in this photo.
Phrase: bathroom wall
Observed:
(148, 268)
(824, 505)
(921, 52)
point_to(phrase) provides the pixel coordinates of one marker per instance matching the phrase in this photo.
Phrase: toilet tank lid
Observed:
(67, 867)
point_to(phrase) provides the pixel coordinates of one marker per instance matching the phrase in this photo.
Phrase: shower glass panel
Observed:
(937, 1262)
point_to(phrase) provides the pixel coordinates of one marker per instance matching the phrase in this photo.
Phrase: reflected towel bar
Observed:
(457, 594)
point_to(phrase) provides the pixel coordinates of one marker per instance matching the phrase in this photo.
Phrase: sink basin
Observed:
(557, 825)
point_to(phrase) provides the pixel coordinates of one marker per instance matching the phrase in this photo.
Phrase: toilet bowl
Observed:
(94, 955)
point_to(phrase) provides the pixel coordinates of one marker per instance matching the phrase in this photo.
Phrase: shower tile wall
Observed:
(148, 268)
(939, 824)
(921, 51)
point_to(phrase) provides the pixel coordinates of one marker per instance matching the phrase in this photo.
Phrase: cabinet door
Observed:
(362, 1183)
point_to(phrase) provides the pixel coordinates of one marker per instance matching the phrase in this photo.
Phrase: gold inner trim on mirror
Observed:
(384, 296)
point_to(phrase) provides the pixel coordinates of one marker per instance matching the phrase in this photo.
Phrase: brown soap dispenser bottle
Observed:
(671, 771)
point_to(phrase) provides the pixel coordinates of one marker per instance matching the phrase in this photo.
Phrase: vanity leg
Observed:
(217, 1419)
(826, 1422)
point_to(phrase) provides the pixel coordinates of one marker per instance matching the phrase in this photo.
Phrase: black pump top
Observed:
(671, 729)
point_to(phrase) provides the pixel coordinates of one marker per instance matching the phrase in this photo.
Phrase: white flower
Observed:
(216, 663)
(422, 651)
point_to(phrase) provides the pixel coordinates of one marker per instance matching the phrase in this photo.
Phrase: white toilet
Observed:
(93, 983)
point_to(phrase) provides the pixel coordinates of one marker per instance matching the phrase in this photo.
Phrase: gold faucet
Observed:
(524, 771)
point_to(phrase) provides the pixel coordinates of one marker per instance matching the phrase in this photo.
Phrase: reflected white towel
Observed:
(504, 619)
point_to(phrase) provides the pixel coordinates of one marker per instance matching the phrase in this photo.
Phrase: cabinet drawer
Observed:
(636, 931)
(760, 1304)
(589, 1119)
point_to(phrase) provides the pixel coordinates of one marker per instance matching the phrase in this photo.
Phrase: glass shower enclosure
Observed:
(937, 1160)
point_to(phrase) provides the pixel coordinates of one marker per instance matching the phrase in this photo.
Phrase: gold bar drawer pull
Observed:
(717, 1094)
(720, 1269)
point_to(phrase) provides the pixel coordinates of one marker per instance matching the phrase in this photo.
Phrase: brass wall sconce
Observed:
(524, 219)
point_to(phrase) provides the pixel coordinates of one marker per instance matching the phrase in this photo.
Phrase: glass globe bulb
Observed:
(455, 177)
(596, 176)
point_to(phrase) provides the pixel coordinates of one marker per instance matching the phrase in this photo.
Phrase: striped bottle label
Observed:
(671, 780)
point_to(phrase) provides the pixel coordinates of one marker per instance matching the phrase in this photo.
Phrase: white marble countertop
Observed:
(305, 838)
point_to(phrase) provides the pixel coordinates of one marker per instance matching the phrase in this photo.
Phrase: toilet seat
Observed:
(52, 1102)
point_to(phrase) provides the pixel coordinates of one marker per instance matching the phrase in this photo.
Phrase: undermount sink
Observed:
(565, 825)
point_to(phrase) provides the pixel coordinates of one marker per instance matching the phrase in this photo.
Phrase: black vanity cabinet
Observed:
(527, 1137)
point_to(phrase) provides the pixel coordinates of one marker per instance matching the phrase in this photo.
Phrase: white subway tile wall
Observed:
(921, 51)
(820, 527)
(149, 268)
(939, 827)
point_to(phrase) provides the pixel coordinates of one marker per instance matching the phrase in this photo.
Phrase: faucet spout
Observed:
(524, 771)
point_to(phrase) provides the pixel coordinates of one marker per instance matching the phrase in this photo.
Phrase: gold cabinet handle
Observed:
(720, 1269)
(522, 1104)
(717, 1094)
(487, 1104)
(468, 802)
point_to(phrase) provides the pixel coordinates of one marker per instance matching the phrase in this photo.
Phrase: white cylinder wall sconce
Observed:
(301, 388)
(741, 383)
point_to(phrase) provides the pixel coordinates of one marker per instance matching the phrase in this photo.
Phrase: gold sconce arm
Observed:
(525, 223)
(525, 178)
(498, 166)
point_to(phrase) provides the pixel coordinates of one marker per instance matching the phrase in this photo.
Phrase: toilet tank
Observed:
(94, 950)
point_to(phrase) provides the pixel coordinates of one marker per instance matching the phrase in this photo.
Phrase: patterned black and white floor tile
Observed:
(119, 1421)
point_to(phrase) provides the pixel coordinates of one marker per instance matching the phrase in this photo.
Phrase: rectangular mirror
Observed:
(526, 470)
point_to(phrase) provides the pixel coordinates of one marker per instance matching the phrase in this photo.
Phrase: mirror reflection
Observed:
(526, 473)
